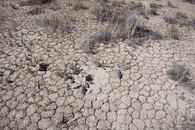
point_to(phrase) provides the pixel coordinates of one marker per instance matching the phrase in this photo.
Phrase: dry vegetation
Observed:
(35, 2)
(56, 24)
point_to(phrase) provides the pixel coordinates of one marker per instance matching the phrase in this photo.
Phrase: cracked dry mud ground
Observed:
(144, 99)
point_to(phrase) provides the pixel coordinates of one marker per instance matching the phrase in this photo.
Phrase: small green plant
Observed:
(78, 4)
(182, 16)
(179, 73)
(75, 68)
(174, 33)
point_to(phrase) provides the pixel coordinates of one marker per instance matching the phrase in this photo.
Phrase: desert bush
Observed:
(174, 33)
(78, 4)
(179, 73)
(56, 24)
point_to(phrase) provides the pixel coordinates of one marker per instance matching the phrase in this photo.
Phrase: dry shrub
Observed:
(60, 24)
(132, 30)
(179, 73)
(36, 11)
(190, 1)
(174, 33)
(193, 23)
(35, 2)
(179, 18)
(110, 13)
(181, 15)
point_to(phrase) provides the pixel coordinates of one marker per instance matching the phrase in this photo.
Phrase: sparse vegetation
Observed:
(193, 23)
(35, 2)
(182, 16)
(128, 28)
(170, 20)
(139, 7)
(103, 13)
(190, 1)
(152, 11)
(36, 11)
(154, 8)
(56, 24)
(180, 19)
(75, 68)
(174, 33)
(68, 71)
(179, 73)
(103, 37)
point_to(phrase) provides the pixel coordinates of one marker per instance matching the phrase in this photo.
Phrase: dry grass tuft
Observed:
(174, 33)
(56, 24)
(190, 1)
(36, 11)
(35, 2)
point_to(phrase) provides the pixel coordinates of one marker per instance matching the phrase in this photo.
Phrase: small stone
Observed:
(83, 89)
(97, 63)
(119, 74)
